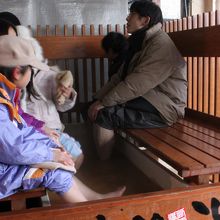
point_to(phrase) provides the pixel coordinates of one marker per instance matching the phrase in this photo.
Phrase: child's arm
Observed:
(38, 125)
(32, 121)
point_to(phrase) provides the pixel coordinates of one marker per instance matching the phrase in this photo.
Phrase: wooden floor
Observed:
(105, 176)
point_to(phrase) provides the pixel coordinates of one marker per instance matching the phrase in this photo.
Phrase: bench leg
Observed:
(198, 180)
(18, 204)
(215, 178)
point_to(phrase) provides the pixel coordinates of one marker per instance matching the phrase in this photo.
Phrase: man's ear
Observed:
(145, 20)
(16, 72)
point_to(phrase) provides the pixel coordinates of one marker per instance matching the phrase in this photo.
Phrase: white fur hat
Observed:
(25, 33)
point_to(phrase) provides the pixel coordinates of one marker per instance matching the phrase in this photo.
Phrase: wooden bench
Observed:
(192, 146)
(18, 201)
(196, 202)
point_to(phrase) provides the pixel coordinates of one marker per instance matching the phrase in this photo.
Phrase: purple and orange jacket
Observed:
(20, 145)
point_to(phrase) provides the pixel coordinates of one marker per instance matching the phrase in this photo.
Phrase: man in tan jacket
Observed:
(149, 89)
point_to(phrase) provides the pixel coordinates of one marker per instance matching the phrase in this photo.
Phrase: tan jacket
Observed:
(157, 73)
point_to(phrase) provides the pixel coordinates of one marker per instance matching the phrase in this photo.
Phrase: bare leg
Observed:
(74, 195)
(104, 141)
(91, 195)
(78, 161)
(79, 192)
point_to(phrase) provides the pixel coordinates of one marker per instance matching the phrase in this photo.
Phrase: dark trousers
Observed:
(136, 113)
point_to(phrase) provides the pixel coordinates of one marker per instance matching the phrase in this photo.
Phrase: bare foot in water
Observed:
(116, 193)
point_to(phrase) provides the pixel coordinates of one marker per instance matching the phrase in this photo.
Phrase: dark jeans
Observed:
(137, 113)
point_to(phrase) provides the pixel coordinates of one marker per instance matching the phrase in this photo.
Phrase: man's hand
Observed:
(94, 109)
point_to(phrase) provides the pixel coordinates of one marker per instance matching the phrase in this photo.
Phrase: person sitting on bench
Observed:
(40, 97)
(150, 88)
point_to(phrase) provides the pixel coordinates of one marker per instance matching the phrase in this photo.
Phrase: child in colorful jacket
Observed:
(49, 100)
(20, 145)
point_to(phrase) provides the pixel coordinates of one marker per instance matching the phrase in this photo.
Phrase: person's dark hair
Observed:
(147, 8)
(4, 27)
(30, 88)
(115, 41)
(7, 72)
(8, 16)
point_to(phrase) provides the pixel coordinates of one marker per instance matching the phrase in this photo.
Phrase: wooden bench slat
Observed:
(203, 129)
(194, 142)
(197, 134)
(199, 172)
(176, 158)
(205, 159)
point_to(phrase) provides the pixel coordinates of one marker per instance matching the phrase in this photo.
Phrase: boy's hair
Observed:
(8, 16)
(4, 27)
(147, 8)
(115, 41)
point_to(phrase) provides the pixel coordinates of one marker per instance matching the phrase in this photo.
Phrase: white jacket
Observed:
(45, 108)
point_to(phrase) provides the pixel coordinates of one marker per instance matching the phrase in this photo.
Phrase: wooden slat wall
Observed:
(91, 73)
(203, 72)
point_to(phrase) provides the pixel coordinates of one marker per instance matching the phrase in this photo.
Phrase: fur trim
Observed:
(25, 33)
(55, 68)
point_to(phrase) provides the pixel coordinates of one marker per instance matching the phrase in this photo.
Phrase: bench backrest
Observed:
(197, 38)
